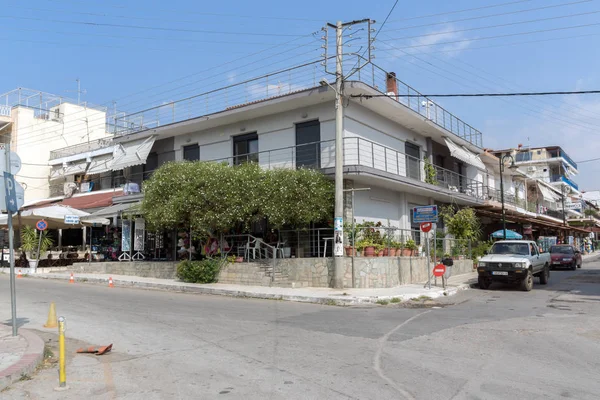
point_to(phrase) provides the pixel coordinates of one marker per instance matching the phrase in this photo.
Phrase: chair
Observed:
(279, 249)
(252, 247)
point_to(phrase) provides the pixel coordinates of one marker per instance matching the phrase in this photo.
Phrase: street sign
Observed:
(71, 219)
(426, 226)
(10, 193)
(425, 214)
(439, 270)
(41, 225)
(15, 162)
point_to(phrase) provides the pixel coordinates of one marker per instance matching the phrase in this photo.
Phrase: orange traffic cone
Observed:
(19, 275)
(71, 279)
(52, 320)
(110, 282)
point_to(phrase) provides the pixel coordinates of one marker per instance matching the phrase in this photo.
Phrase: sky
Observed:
(138, 54)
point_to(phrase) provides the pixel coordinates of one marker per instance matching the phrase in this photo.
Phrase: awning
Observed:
(115, 209)
(60, 171)
(100, 164)
(131, 153)
(464, 155)
(548, 194)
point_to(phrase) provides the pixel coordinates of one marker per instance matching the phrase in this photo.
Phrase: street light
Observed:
(512, 165)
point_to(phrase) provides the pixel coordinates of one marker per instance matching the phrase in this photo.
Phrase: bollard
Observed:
(62, 374)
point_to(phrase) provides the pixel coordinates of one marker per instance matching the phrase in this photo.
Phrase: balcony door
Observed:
(413, 157)
(308, 146)
(245, 148)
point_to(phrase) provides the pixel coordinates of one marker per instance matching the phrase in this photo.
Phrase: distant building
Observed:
(37, 123)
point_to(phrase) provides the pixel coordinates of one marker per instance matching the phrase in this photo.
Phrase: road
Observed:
(494, 344)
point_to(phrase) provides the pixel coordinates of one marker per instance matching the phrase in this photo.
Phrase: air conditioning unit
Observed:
(531, 169)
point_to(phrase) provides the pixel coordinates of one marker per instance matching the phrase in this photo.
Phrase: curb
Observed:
(190, 288)
(33, 356)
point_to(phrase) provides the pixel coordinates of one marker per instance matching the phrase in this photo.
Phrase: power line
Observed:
(488, 16)
(498, 26)
(585, 161)
(493, 37)
(143, 27)
(485, 94)
(120, 7)
(463, 10)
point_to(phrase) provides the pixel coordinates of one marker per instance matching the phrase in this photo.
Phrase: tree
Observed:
(462, 223)
(217, 197)
(296, 197)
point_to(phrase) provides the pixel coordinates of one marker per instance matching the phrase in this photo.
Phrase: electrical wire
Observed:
(121, 7)
(463, 10)
(586, 161)
(488, 16)
(143, 27)
(497, 26)
(485, 94)
(495, 37)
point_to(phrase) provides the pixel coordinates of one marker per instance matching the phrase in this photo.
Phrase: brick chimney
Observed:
(391, 85)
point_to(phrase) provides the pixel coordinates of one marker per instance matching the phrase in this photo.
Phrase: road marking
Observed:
(377, 358)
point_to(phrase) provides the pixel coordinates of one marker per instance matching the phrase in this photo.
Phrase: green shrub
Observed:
(205, 271)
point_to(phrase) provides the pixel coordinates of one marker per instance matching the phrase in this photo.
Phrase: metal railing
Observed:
(81, 148)
(281, 83)
(319, 155)
(564, 179)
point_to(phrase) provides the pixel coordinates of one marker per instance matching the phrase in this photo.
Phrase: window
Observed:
(523, 156)
(191, 152)
(308, 146)
(413, 160)
(245, 148)
(151, 165)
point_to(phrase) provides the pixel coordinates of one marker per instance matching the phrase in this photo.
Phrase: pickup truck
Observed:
(514, 261)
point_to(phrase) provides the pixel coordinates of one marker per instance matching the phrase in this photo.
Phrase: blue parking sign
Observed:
(10, 193)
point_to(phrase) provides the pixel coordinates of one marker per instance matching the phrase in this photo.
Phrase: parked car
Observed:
(565, 256)
(514, 261)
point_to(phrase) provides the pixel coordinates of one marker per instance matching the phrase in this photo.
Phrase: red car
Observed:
(565, 256)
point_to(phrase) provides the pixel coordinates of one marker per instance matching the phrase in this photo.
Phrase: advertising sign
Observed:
(140, 229)
(126, 235)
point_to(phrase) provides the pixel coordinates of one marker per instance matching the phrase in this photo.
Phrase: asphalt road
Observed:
(495, 344)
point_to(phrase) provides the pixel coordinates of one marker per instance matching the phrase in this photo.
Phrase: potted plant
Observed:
(381, 250)
(351, 236)
(409, 247)
(367, 247)
(29, 244)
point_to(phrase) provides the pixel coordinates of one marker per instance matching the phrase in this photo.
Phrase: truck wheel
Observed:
(574, 266)
(483, 283)
(544, 276)
(527, 283)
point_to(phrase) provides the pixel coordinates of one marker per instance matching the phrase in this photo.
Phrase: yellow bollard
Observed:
(62, 373)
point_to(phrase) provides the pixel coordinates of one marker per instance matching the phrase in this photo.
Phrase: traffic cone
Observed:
(110, 282)
(71, 279)
(52, 320)
(19, 275)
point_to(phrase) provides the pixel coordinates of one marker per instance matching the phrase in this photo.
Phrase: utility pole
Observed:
(338, 273)
(338, 247)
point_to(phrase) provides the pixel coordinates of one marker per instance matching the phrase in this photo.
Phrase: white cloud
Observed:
(231, 77)
(430, 40)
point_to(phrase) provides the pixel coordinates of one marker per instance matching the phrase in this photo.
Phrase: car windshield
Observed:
(510, 248)
(561, 249)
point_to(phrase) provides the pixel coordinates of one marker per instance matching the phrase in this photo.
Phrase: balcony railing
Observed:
(358, 152)
(281, 83)
(81, 148)
(564, 179)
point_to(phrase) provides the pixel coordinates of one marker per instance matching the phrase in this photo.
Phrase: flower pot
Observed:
(406, 252)
(239, 259)
(33, 265)
(380, 254)
(392, 253)
(350, 251)
(369, 251)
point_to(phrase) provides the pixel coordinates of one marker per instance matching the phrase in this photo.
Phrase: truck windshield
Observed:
(521, 249)
(561, 249)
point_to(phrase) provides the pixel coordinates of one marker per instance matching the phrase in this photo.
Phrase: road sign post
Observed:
(426, 216)
(439, 271)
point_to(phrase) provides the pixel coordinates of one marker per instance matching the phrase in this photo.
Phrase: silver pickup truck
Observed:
(514, 261)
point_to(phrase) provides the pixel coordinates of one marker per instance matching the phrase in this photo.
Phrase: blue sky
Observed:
(184, 47)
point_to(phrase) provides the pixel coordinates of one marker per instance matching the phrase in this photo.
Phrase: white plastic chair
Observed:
(253, 247)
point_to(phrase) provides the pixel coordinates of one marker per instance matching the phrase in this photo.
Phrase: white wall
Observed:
(276, 137)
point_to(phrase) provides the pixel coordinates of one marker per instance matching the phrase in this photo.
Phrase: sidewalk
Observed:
(19, 355)
(328, 296)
